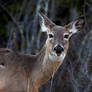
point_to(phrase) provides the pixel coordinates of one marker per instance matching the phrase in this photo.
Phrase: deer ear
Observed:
(45, 22)
(77, 25)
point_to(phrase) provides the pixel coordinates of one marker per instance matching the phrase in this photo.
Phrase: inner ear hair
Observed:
(79, 23)
(47, 22)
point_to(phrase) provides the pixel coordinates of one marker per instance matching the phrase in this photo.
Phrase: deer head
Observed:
(57, 42)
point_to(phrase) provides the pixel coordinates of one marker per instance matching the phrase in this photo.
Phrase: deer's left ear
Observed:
(76, 26)
(45, 22)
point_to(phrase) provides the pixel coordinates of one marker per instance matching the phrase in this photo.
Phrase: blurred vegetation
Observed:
(20, 31)
(61, 12)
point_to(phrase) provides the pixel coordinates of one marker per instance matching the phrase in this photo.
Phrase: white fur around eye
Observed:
(2, 67)
(50, 33)
(66, 34)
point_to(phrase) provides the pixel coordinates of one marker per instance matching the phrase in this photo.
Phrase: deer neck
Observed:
(45, 62)
(46, 67)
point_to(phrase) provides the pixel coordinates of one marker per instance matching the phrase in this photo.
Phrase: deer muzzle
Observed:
(58, 49)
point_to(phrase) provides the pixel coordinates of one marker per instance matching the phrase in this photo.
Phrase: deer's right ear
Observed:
(46, 23)
(76, 26)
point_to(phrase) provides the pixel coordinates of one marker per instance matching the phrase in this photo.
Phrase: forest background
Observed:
(20, 31)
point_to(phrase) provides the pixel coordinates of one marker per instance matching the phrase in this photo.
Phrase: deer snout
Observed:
(58, 49)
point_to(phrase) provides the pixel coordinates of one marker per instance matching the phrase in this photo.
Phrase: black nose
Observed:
(58, 49)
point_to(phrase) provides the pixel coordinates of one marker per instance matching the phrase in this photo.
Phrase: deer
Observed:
(27, 73)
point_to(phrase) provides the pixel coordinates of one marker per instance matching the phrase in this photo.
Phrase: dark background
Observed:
(20, 31)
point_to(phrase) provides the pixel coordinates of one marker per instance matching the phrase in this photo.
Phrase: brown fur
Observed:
(27, 73)
(23, 70)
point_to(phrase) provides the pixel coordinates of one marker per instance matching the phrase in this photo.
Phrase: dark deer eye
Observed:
(50, 35)
(66, 36)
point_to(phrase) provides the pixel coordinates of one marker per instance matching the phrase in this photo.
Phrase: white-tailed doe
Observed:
(27, 73)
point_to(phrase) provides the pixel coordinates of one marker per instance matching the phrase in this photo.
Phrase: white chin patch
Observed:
(54, 57)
